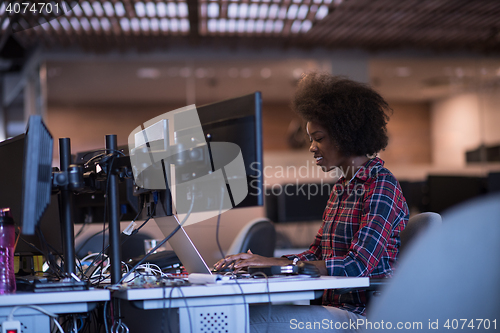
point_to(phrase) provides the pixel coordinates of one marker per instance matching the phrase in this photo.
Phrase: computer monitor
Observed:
(239, 121)
(236, 122)
(12, 181)
(90, 206)
(37, 174)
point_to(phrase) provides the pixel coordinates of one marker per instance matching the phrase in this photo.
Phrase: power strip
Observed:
(11, 326)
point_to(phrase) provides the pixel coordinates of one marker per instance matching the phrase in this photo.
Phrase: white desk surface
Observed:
(245, 291)
(58, 301)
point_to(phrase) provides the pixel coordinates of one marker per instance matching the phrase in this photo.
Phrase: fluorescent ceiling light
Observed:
(250, 26)
(322, 12)
(213, 10)
(174, 24)
(85, 24)
(269, 26)
(77, 10)
(185, 25)
(296, 26)
(253, 10)
(148, 73)
(172, 9)
(232, 10)
(94, 21)
(65, 23)
(154, 24)
(182, 9)
(55, 24)
(140, 10)
(292, 12)
(263, 10)
(119, 9)
(243, 10)
(108, 8)
(135, 25)
(259, 26)
(97, 8)
(164, 24)
(282, 12)
(161, 9)
(222, 25)
(106, 26)
(125, 24)
(273, 11)
(151, 9)
(145, 24)
(241, 26)
(75, 23)
(302, 12)
(278, 26)
(306, 26)
(87, 8)
(231, 25)
(212, 25)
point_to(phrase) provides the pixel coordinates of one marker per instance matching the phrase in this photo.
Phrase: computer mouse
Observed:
(308, 269)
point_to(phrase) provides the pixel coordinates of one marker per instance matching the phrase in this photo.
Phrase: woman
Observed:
(346, 125)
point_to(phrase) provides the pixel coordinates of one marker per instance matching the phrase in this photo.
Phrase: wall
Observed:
(87, 126)
(462, 122)
(408, 152)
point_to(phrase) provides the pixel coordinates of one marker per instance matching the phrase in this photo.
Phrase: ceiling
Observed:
(103, 26)
(415, 50)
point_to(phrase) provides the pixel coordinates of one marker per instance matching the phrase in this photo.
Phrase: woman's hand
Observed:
(240, 260)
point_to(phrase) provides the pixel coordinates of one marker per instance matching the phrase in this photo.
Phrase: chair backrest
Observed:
(258, 236)
(451, 272)
(416, 225)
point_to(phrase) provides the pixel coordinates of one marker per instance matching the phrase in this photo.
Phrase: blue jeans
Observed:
(267, 318)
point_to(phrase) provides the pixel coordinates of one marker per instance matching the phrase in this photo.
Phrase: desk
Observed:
(200, 305)
(56, 302)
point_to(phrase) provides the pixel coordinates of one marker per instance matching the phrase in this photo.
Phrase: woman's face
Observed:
(326, 153)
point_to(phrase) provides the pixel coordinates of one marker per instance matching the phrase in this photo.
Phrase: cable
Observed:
(269, 305)
(106, 317)
(10, 317)
(180, 224)
(218, 223)
(104, 230)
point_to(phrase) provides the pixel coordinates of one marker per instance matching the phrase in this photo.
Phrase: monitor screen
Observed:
(228, 136)
(37, 174)
(239, 121)
(11, 182)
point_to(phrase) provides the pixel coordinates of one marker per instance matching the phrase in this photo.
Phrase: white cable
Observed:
(42, 310)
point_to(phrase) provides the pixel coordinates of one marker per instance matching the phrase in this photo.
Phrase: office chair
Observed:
(448, 274)
(258, 236)
(416, 225)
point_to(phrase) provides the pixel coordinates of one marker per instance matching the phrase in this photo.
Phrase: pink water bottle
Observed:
(7, 244)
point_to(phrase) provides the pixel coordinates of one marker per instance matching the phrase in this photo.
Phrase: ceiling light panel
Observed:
(260, 17)
(124, 17)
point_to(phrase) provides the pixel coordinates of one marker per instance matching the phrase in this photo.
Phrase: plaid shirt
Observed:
(360, 231)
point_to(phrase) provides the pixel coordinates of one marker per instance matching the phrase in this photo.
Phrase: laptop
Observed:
(183, 246)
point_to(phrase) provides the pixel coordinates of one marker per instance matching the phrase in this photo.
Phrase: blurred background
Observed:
(105, 67)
